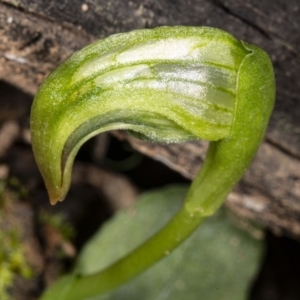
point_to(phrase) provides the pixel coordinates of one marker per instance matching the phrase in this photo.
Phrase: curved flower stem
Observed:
(180, 227)
(142, 258)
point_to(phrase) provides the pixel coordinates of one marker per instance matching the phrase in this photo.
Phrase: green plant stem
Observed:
(142, 258)
(198, 202)
(180, 227)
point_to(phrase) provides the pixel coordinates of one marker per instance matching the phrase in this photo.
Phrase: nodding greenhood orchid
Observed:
(169, 84)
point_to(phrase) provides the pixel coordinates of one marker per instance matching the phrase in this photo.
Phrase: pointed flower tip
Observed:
(54, 199)
(56, 193)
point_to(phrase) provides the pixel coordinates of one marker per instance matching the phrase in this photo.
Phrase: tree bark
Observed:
(36, 35)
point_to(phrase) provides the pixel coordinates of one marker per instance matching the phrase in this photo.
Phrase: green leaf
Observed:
(219, 261)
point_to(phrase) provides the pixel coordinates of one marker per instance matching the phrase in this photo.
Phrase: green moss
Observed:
(58, 222)
(12, 261)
